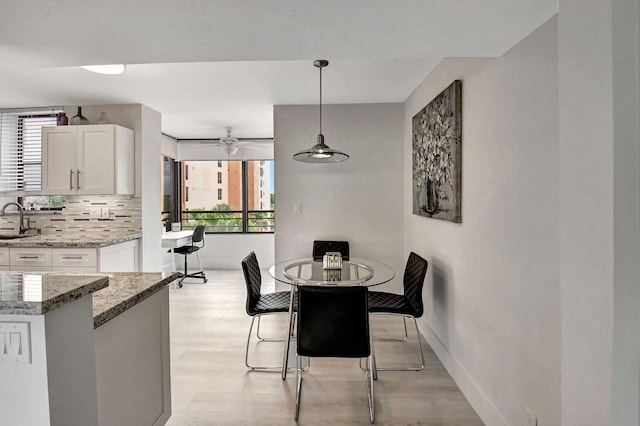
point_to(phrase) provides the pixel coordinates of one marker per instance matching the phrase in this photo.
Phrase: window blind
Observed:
(21, 150)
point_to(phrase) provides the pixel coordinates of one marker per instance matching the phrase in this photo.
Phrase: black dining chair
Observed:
(259, 304)
(334, 322)
(197, 242)
(409, 304)
(321, 247)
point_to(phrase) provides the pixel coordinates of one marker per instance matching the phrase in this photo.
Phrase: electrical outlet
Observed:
(531, 419)
(297, 208)
(95, 213)
(104, 213)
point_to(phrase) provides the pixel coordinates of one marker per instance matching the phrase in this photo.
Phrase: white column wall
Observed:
(150, 173)
(359, 200)
(492, 295)
(599, 251)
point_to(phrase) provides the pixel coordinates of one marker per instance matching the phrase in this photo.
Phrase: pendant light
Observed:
(320, 153)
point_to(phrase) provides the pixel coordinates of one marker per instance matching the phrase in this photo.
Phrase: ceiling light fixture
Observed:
(320, 153)
(113, 69)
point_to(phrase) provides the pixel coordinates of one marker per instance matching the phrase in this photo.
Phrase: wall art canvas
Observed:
(437, 156)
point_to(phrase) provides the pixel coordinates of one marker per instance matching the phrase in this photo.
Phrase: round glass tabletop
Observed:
(306, 271)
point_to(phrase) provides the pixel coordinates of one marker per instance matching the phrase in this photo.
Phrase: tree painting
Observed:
(437, 156)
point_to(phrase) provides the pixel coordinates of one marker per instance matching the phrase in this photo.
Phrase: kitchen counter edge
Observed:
(62, 242)
(125, 290)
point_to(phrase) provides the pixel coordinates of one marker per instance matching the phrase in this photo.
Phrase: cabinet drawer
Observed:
(4, 256)
(27, 257)
(75, 257)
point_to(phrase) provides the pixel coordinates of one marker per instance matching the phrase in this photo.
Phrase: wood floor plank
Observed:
(211, 385)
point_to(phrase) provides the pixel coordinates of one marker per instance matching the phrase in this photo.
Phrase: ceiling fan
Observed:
(229, 145)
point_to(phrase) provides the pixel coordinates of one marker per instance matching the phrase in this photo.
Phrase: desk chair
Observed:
(408, 305)
(322, 247)
(197, 242)
(261, 304)
(334, 322)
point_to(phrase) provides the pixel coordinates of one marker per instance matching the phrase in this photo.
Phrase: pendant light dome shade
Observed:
(320, 153)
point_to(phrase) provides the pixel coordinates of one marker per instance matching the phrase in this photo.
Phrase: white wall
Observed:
(150, 173)
(599, 211)
(359, 200)
(168, 146)
(492, 295)
(227, 251)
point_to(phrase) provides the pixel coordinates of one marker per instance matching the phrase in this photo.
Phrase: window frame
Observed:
(247, 217)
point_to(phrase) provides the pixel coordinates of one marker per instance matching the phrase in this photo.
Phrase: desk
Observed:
(306, 271)
(176, 239)
(173, 240)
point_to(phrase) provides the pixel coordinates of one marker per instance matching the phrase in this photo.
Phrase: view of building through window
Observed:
(228, 196)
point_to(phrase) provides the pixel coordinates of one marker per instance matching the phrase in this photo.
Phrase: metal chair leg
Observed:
(246, 352)
(369, 376)
(298, 387)
(272, 339)
(246, 356)
(389, 339)
(285, 357)
(411, 368)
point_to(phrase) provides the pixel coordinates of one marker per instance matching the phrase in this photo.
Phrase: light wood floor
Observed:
(211, 385)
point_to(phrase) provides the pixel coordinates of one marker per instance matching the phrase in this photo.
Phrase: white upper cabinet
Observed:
(91, 159)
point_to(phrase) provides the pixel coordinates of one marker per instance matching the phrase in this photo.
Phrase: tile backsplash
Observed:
(82, 214)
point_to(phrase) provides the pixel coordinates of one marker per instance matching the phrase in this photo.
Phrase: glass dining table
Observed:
(307, 271)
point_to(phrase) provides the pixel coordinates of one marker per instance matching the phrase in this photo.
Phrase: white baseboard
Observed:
(488, 413)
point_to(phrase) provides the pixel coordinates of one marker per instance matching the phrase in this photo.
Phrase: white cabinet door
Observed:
(123, 257)
(75, 259)
(96, 160)
(30, 259)
(92, 159)
(4, 257)
(59, 160)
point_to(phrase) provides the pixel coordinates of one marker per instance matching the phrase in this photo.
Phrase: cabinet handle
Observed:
(77, 179)
(72, 257)
(70, 179)
(28, 257)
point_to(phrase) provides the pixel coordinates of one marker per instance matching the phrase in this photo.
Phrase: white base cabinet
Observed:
(133, 365)
(122, 257)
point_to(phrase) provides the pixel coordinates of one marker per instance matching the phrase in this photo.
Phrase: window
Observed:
(170, 178)
(237, 203)
(21, 150)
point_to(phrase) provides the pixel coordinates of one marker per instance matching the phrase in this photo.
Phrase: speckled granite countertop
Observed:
(113, 293)
(72, 240)
(125, 290)
(37, 294)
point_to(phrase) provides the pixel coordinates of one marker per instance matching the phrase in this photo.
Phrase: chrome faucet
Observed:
(23, 228)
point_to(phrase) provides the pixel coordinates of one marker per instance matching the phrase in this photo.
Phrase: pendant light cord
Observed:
(320, 100)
